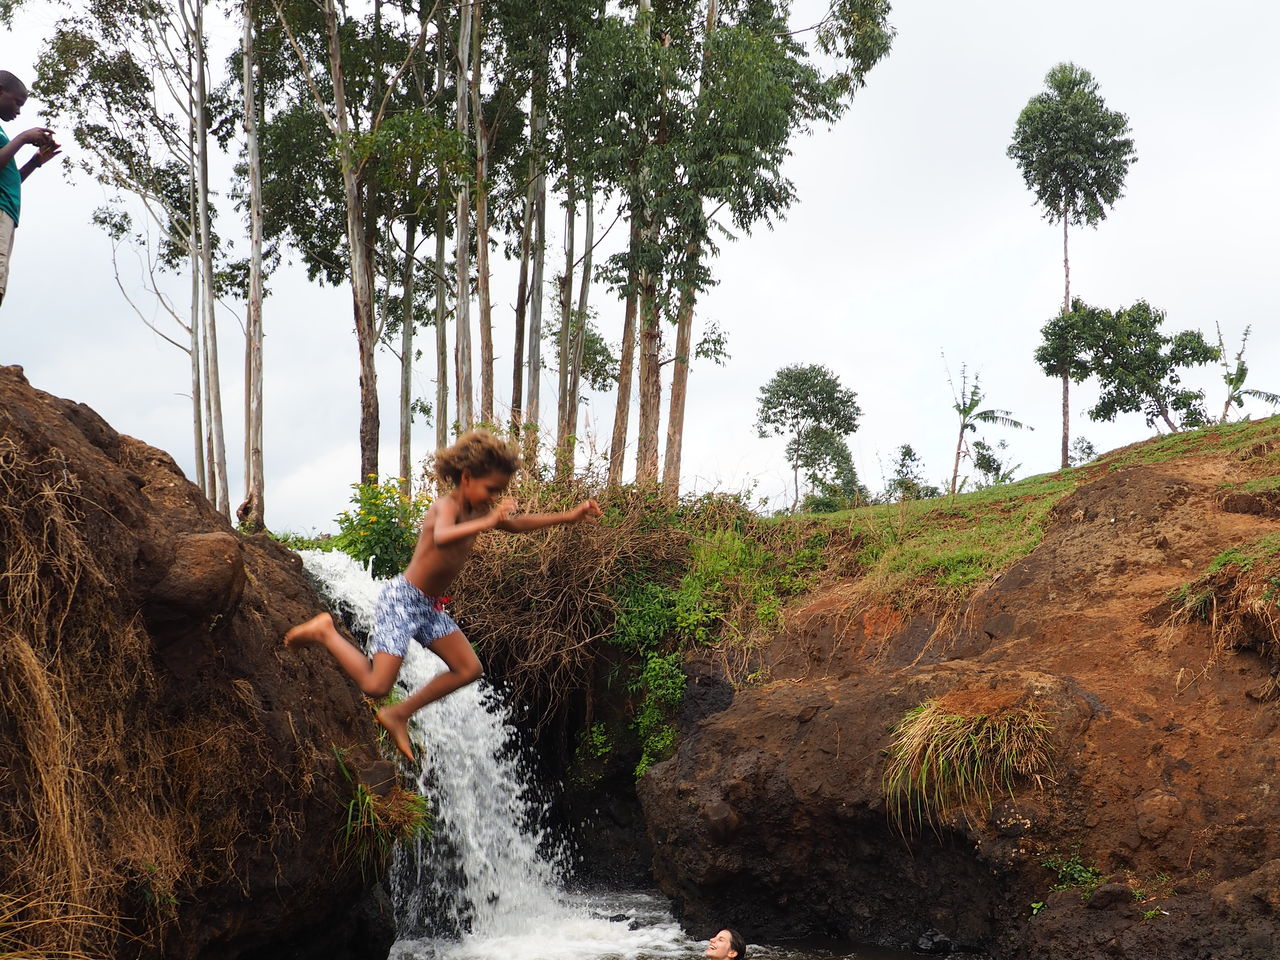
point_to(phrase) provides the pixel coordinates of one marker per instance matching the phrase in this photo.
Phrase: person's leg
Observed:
(464, 668)
(374, 679)
(6, 250)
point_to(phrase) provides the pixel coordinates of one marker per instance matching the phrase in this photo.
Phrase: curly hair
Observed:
(479, 453)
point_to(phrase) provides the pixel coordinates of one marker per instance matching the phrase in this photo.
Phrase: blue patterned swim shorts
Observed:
(404, 611)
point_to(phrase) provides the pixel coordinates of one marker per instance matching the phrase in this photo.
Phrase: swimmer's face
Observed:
(484, 490)
(720, 947)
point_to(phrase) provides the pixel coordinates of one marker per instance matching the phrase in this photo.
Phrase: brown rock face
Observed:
(164, 760)
(772, 814)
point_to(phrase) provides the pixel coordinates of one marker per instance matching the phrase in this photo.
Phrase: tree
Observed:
(1061, 352)
(966, 406)
(802, 398)
(1074, 154)
(254, 507)
(130, 78)
(823, 456)
(334, 78)
(1234, 377)
(907, 481)
(1139, 368)
(1082, 451)
(992, 469)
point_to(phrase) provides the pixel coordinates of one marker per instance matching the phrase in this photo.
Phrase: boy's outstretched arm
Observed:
(446, 529)
(536, 521)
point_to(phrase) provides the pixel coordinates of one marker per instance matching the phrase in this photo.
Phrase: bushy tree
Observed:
(824, 457)
(907, 480)
(1139, 368)
(989, 461)
(800, 399)
(1082, 451)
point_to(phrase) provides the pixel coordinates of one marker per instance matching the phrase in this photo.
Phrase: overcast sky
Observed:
(914, 249)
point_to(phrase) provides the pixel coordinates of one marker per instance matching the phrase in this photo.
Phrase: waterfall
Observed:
(490, 883)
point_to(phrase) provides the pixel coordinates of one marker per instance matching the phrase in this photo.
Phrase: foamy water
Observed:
(491, 883)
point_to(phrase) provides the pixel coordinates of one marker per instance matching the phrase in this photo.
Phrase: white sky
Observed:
(914, 237)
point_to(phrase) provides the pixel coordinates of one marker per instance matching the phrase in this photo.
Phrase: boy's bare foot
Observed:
(399, 730)
(312, 631)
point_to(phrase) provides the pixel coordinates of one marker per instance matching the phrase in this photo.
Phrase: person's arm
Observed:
(45, 154)
(448, 530)
(34, 135)
(536, 521)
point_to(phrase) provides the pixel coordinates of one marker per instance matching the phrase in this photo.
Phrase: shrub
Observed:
(661, 684)
(1074, 873)
(382, 529)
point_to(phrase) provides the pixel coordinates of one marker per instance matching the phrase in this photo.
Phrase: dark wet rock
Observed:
(1110, 895)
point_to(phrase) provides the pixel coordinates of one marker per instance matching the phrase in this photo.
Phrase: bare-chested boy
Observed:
(480, 466)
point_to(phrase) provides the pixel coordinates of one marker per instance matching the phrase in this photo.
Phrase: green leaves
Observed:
(1137, 366)
(1074, 153)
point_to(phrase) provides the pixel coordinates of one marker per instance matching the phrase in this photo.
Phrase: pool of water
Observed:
(632, 925)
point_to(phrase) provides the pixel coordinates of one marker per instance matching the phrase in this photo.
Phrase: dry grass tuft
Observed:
(952, 754)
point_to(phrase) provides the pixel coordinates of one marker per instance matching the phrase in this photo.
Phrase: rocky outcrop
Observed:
(167, 763)
(772, 813)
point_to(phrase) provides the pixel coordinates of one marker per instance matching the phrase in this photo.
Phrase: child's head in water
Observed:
(479, 464)
(726, 945)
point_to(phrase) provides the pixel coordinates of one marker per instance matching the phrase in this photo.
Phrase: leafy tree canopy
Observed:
(1139, 368)
(1074, 153)
(802, 396)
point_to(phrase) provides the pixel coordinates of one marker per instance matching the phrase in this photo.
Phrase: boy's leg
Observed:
(464, 668)
(374, 679)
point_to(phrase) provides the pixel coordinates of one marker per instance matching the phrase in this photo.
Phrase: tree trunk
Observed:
(522, 302)
(626, 362)
(955, 468)
(462, 235)
(441, 411)
(566, 324)
(1066, 378)
(482, 225)
(406, 356)
(650, 381)
(197, 331)
(213, 383)
(361, 290)
(578, 345)
(255, 483)
(684, 322)
(539, 261)
(679, 389)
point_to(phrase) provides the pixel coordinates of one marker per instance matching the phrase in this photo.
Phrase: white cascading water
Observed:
(489, 886)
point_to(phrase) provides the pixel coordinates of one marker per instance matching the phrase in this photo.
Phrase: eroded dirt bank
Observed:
(772, 813)
(168, 776)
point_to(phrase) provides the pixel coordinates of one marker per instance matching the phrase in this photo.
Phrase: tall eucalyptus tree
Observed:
(130, 78)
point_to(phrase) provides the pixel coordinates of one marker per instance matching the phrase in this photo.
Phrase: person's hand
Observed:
(41, 137)
(587, 508)
(48, 152)
(503, 510)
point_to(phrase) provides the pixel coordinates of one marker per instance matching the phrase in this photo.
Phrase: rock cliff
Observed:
(1143, 629)
(169, 776)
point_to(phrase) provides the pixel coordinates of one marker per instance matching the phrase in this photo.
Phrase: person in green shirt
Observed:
(13, 96)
